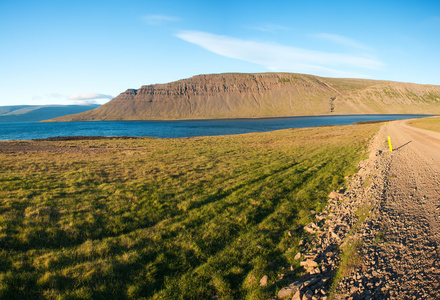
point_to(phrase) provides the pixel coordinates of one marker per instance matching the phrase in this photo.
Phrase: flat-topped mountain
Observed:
(237, 95)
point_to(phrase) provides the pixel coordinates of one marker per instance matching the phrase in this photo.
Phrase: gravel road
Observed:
(401, 254)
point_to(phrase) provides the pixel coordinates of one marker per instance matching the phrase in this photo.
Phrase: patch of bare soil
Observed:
(401, 254)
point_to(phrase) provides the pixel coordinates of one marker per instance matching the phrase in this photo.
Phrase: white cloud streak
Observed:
(159, 19)
(85, 102)
(343, 41)
(277, 57)
(89, 96)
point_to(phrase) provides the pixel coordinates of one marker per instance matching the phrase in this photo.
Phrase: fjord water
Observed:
(177, 129)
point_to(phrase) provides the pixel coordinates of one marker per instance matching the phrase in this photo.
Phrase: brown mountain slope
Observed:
(264, 95)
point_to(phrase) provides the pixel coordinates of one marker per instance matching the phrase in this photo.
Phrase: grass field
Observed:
(190, 218)
(432, 123)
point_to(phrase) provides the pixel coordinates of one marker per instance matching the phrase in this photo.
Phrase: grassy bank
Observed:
(432, 123)
(188, 218)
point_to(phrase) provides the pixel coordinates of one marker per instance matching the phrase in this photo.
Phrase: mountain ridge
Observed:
(36, 113)
(245, 95)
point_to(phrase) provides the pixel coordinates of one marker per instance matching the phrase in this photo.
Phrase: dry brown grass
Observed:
(432, 123)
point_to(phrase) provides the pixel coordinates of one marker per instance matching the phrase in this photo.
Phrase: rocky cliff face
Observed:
(264, 95)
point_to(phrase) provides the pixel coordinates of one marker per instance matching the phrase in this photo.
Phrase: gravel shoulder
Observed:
(391, 208)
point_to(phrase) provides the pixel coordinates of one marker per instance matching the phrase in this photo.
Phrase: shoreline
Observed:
(181, 128)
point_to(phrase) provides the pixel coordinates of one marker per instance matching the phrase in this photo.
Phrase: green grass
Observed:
(350, 259)
(350, 250)
(432, 123)
(164, 218)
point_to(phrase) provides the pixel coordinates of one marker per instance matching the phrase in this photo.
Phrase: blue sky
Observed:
(74, 51)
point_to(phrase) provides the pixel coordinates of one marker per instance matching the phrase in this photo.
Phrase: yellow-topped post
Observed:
(389, 143)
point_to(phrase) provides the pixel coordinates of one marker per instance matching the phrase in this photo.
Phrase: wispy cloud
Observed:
(343, 41)
(79, 99)
(88, 98)
(159, 19)
(277, 57)
(86, 102)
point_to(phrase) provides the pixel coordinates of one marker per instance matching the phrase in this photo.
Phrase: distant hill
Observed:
(35, 113)
(236, 95)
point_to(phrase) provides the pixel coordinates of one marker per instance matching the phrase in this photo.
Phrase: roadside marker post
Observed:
(389, 142)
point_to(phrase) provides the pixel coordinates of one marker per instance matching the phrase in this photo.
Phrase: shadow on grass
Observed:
(223, 194)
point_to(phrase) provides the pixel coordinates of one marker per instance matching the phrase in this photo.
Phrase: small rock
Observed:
(297, 256)
(297, 295)
(289, 290)
(308, 263)
(321, 216)
(309, 229)
(314, 226)
(263, 280)
(335, 195)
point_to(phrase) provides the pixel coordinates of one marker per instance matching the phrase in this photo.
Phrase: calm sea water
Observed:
(177, 129)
